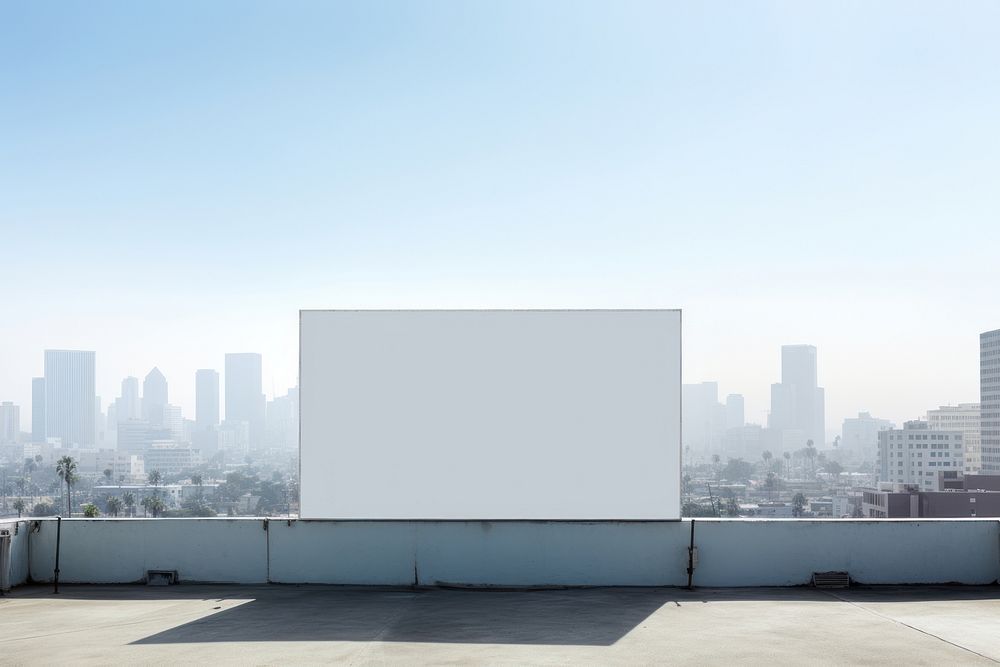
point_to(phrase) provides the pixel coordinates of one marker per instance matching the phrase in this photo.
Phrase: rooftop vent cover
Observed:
(161, 577)
(831, 579)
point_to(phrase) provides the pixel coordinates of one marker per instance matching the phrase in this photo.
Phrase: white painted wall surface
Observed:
(571, 415)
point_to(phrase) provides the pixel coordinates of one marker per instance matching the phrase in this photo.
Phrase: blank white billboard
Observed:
(534, 414)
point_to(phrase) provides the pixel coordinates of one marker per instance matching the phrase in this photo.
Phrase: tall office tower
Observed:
(10, 422)
(989, 401)
(735, 415)
(154, 397)
(244, 398)
(38, 409)
(173, 421)
(859, 436)
(70, 397)
(136, 435)
(703, 418)
(129, 405)
(283, 420)
(206, 398)
(99, 423)
(111, 426)
(963, 417)
(797, 403)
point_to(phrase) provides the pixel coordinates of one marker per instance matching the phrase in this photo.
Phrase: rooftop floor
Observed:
(312, 624)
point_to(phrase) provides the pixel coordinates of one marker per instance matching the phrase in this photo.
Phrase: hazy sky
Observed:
(177, 179)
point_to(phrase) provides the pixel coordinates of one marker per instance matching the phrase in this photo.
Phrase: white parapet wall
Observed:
(112, 551)
(512, 553)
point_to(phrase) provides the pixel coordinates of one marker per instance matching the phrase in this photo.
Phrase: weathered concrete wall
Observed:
(552, 553)
(342, 552)
(18, 551)
(786, 552)
(122, 550)
(518, 553)
(477, 553)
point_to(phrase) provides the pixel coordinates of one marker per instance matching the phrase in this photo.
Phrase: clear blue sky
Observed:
(177, 179)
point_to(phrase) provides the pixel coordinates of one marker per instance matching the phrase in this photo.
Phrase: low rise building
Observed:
(169, 458)
(969, 496)
(915, 454)
(842, 506)
(964, 417)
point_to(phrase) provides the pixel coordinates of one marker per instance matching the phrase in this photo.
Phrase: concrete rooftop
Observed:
(314, 624)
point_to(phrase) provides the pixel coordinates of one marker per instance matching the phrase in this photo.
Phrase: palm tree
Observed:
(811, 455)
(113, 505)
(29, 467)
(771, 484)
(788, 462)
(19, 506)
(834, 468)
(90, 511)
(197, 480)
(157, 506)
(152, 505)
(767, 456)
(66, 469)
(798, 504)
(154, 477)
(128, 499)
(108, 474)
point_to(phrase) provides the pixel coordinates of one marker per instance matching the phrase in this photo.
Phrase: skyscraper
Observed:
(735, 414)
(283, 420)
(244, 398)
(173, 422)
(797, 403)
(154, 397)
(10, 422)
(129, 405)
(989, 401)
(38, 409)
(703, 417)
(859, 436)
(206, 396)
(70, 397)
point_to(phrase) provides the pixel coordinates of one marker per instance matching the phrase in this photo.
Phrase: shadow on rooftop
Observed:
(599, 617)
(586, 617)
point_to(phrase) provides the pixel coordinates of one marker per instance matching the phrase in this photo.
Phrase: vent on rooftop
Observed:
(831, 579)
(161, 577)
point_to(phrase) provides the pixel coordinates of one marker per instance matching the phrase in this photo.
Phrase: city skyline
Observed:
(128, 402)
(188, 401)
(784, 174)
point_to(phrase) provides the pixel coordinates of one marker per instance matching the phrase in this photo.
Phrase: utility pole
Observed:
(711, 499)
